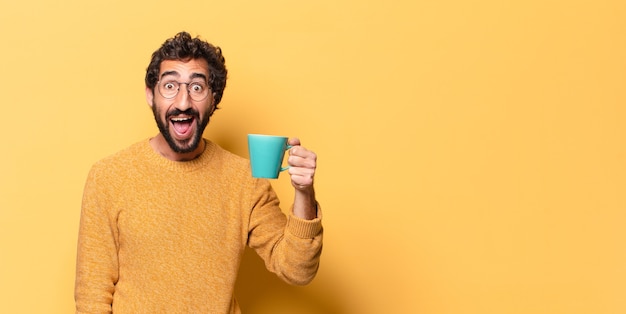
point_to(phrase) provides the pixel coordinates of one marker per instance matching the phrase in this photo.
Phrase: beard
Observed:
(177, 146)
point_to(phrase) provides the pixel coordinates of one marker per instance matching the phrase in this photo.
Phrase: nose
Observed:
(182, 101)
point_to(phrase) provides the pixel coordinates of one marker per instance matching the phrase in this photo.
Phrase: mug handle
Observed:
(285, 168)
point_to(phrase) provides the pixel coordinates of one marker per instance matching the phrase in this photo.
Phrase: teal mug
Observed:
(266, 155)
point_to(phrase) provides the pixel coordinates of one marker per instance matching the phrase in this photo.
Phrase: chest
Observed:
(180, 216)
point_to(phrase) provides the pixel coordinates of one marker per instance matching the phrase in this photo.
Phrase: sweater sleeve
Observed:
(97, 260)
(290, 246)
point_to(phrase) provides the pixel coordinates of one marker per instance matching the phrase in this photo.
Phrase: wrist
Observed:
(305, 205)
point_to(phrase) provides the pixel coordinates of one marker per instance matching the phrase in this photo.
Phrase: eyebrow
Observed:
(200, 75)
(193, 75)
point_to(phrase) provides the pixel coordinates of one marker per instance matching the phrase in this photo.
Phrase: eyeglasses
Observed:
(198, 90)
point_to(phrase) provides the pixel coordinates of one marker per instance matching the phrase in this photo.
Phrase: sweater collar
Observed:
(163, 163)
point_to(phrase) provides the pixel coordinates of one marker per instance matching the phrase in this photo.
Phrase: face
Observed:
(181, 119)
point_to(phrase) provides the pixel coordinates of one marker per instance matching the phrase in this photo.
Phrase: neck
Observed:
(159, 144)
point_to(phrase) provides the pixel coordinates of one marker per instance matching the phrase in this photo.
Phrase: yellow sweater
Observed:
(158, 236)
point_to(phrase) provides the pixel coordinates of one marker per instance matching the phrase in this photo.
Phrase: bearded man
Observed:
(164, 222)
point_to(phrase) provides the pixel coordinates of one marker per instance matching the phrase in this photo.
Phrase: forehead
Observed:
(184, 68)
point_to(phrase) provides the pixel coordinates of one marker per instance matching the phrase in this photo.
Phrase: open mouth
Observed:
(182, 125)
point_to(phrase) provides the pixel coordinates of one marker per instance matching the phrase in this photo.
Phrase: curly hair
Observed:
(183, 47)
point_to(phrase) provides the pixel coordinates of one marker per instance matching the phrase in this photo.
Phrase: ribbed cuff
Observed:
(304, 228)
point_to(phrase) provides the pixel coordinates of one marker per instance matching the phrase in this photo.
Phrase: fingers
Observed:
(301, 157)
(303, 163)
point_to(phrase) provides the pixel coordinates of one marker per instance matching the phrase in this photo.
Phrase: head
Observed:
(182, 118)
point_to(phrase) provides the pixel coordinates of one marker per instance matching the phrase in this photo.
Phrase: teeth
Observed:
(180, 119)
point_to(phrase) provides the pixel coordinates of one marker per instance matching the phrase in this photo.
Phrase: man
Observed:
(164, 223)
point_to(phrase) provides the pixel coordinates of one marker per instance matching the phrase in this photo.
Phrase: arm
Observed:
(96, 262)
(302, 164)
(291, 246)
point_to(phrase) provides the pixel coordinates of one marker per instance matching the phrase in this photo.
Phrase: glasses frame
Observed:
(158, 85)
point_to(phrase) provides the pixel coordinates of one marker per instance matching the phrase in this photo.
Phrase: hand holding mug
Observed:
(266, 158)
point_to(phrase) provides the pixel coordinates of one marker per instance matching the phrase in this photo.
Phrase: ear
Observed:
(149, 96)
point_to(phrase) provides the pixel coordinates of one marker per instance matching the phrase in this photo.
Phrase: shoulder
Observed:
(228, 162)
(219, 153)
(122, 160)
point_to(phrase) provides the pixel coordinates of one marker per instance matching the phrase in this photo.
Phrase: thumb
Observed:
(294, 141)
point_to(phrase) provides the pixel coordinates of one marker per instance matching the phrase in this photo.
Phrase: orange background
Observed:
(471, 153)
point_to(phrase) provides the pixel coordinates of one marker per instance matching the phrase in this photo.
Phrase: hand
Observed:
(302, 163)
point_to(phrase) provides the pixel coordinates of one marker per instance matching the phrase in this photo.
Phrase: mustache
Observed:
(188, 112)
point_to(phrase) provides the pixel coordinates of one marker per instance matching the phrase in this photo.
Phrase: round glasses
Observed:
(198, 90)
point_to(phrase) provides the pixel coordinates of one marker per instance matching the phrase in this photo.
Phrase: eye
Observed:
(169, 86)
(196, 87)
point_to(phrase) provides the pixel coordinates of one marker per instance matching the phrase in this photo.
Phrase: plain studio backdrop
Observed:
(471, 153)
